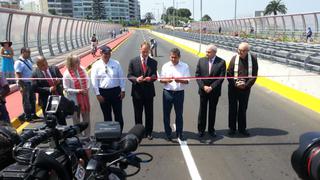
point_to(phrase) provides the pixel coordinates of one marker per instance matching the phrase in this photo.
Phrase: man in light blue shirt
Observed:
(23, 69)
(108, 84)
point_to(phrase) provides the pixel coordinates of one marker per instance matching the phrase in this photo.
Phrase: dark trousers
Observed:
(147, 104)
(28, 100)
(238, 104)
(4, 115)
(112, 101)
(202, 116)
(175, 99)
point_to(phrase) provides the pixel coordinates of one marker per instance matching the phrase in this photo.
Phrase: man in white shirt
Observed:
(109, 85)
(172, 74)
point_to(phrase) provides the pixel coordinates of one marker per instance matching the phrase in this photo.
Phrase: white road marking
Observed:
(193, 170)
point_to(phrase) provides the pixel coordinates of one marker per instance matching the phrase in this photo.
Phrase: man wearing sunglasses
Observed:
(109, 85)
(242, 74)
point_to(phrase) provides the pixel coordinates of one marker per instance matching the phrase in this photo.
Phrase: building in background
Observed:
(60, 7)
(258, 13)
(37, 6)
(13, 4)
(83, 9)
(134, 10)
(113, 10)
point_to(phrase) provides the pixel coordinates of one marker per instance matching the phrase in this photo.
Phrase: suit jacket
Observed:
(243, 71)
(218, 69)
(144, 89)
(42, 86)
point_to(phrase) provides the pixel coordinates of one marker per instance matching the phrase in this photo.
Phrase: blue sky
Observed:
(224, 9)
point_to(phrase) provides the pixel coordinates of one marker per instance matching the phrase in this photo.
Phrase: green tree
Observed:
(206, 17)
(171, 11)
(52, 12)
(274, 7)
(98, 9)
(165, 18)
(148, 16)
(184, 13)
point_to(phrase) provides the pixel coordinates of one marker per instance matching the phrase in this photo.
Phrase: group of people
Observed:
(109, 86)
(108, 82)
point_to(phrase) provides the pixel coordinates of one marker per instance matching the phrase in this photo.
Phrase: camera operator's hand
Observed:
(122, 95)
(100, 98)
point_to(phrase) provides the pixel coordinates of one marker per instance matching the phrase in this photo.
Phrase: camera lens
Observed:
(306, 159)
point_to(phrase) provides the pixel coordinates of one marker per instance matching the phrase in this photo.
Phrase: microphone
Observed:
(131, 141)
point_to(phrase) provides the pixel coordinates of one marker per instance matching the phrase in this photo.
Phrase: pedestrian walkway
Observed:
(14, 100)
(293, 83)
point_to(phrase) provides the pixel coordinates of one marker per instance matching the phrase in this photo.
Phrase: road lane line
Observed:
(193, 170)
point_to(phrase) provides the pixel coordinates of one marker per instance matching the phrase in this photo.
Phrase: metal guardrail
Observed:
(301, 55)
(50, 35)
(292, 26)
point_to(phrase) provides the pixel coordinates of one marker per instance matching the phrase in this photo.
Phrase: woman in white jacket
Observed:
(76, 86)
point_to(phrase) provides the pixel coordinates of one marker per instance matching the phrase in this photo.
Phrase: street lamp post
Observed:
(200, 26)
(235, 15)
(193, 9)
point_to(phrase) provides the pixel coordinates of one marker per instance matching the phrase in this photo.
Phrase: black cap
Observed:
(6, 41)
(105, 49)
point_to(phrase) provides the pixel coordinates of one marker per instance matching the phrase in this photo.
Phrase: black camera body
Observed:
(33, 162)
(107, 132)
(39, 169)
(306, 159)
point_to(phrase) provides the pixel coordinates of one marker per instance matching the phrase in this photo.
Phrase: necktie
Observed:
(49, 79)
(144, 67)
(210, 65)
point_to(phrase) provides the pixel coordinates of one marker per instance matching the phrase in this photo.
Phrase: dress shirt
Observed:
(179, 70)
(107, 76)
(22, 68)
(68, 85)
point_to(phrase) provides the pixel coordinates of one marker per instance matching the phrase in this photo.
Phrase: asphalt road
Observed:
(275, 124)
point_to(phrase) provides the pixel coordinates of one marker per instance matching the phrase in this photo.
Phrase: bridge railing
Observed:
(291, 26)
(49, 35)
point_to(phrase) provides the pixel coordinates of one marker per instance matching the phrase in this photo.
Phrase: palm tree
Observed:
(274, 7)
(149, 16)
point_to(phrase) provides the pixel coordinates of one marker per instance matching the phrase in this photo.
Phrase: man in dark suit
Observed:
(209, 89)
(244, 68)
(142, 72)
(48, 86)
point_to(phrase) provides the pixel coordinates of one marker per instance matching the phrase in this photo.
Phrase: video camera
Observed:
(306, 159)
(57, 109)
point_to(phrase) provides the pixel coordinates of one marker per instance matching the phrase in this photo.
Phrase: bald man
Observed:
(209, 89)
(243, 69)
(49, 85)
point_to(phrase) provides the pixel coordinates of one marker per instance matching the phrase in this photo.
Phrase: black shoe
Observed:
(150, 137)
(231, 132)
(22, 117)
(35, 117)
(28, 119)
(168, 138)
(244, 133)
(213, 134)
(181, 137)
(201, 134)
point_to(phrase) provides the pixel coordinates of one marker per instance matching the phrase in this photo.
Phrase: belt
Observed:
(110, 88)
(173, 90)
